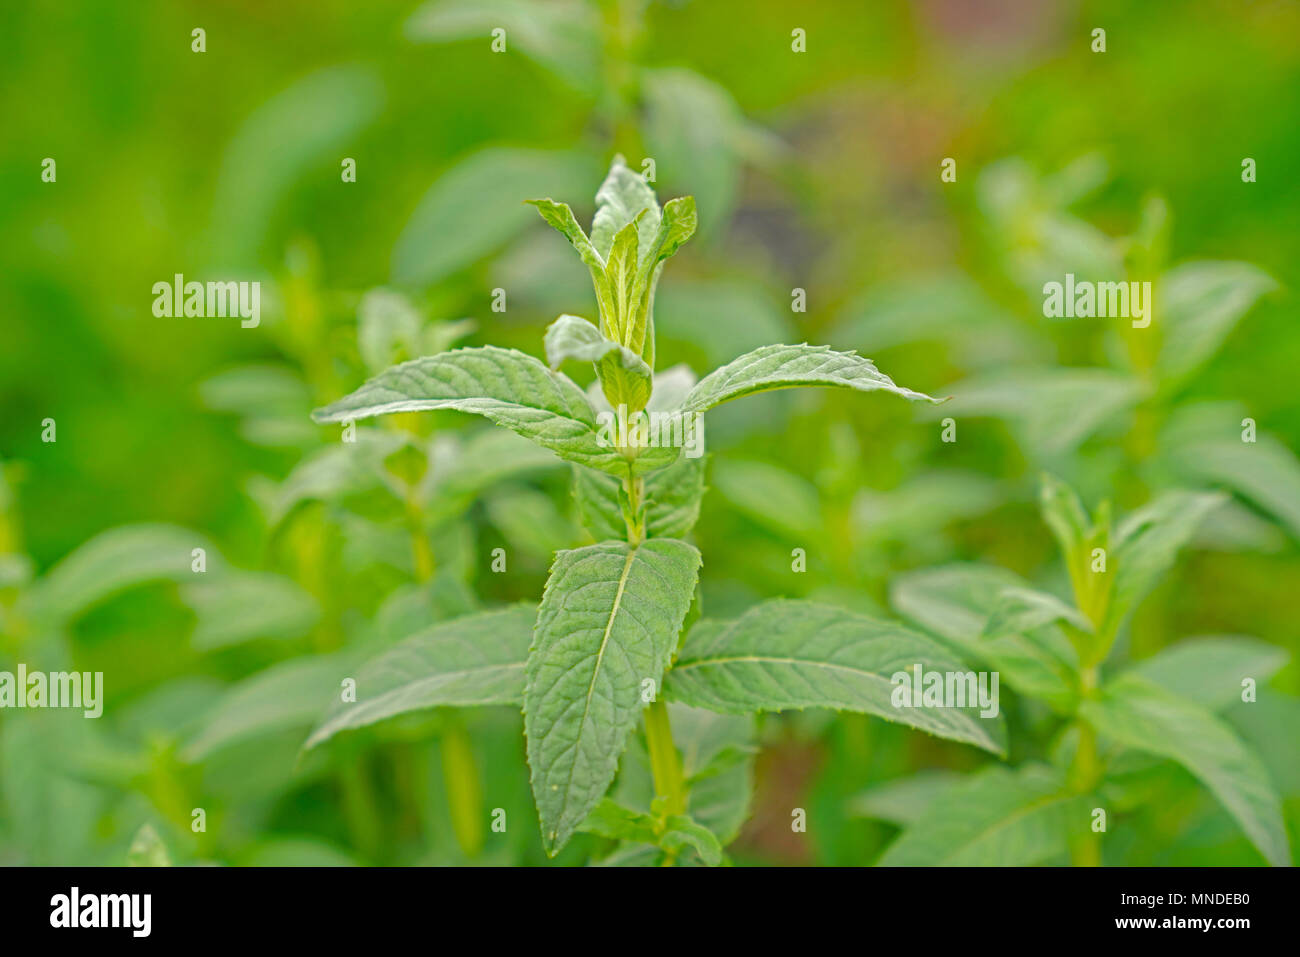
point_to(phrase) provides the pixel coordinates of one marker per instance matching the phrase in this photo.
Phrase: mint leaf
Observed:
(999, 817)
(510, 388)
(785, 654)
(1147, 541)
(622, 198)
(956, 603)
(673, 497)
(608, 622)
(1137, 713)
(114, 560)
(474, 660)
(787, 367)
(624, 376)
(1200, 303)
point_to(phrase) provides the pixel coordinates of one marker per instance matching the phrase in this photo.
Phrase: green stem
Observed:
(665, 763)
(464, 787)
(1083, 776)
(360, 808)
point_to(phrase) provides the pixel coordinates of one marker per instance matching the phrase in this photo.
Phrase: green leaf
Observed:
(1136, 713)
(676, 834)
(1064, 514)
(1264, 472)
(1022, 610)
(477, 205)
(788, 367)
(1056, 409)
(611, 820)
(998, 817)
(510, 388)
(785, 654)
(332, 473)
(1200, 303)
(682, 833)
(672, 495)
(474, 660)
(676, 226)
(624, 198)
(903, 801)
(561, 217)
(1210, 670)
(118, 559)
(285, 138)
(608, 621)
(147, 849)
(248, 605)
(699, 137)
(284, 697)
(1147, 541)
(562, 36)
(624, 376)
(389, 330)
(717, 752)
(530, 522)
(956, 602)
(752, 487)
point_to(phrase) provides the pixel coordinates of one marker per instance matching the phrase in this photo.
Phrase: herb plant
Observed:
(1115, 734)
(608, 645)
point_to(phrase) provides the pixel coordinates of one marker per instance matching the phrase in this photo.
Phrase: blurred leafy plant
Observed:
(1053, 651)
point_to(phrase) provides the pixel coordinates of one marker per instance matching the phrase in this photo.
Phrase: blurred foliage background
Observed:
(815, 170)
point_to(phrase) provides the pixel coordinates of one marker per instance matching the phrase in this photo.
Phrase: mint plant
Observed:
(1116, 731)
(608, 647)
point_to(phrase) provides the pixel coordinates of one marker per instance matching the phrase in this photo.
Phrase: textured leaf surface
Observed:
(510, 388)
(608, 621)
(625, 376)
(1138, 713)
(794, 654)
(622, 197)
(996, 818)
(474, 660)
(672, 495)
(788, 367)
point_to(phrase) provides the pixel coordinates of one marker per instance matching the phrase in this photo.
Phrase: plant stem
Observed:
(464, 789)
(1084, 773)
(665, 763)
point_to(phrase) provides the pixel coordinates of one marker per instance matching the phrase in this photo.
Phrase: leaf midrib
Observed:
(595, 672)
